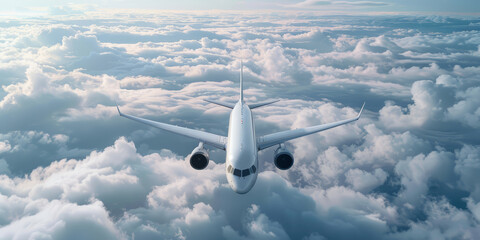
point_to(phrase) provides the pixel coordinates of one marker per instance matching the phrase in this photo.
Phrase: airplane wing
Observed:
(207, 138)
(280, 137)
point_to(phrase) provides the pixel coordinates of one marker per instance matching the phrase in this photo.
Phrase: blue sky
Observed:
(70, 167)
(470, 7)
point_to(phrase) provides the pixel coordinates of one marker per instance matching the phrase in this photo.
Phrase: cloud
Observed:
(385, 149)
(5, 146)
(438, 224)
(259, 226)
(44, 36)
(22, 146)
(429, 102)
(69, 9)
(418, 172)
(364, 181)
(57, 220)
(180, 200)
(406, 169)
(466, 166)
(467, 109)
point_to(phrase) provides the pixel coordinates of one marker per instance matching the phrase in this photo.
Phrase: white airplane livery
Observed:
(241, 144)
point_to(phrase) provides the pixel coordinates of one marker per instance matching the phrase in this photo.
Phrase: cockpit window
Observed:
(245, 172)
(237, 172)
(241, 173)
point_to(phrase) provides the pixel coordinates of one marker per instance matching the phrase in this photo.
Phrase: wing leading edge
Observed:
(280, 137)
(208, 138)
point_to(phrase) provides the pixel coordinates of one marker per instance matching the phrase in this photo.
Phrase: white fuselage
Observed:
(242, 151)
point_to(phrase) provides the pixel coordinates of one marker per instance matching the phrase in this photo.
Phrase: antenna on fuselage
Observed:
(241, 82)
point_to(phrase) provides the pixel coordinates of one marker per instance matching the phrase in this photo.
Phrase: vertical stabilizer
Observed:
(241, 82)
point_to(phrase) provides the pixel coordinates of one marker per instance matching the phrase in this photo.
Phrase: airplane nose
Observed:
(241, 189)
(242, 185)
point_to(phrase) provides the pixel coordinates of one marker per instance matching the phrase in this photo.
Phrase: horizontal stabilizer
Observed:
(261, 104)
(223, 104)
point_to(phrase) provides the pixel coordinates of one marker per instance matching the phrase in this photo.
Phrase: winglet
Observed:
(120, 113)
(241, 82)
(361, 110)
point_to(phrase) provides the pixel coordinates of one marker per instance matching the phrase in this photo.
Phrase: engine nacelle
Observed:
(199, 157)
(283, 158)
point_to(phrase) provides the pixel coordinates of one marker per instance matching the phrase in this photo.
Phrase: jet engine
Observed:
(283, 158)
(199, 157)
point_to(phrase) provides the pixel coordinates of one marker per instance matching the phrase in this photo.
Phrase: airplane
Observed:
(241, 144)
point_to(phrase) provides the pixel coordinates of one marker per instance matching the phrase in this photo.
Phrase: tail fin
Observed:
(241, 82)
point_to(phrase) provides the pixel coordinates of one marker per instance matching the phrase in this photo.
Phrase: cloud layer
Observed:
(406, 170)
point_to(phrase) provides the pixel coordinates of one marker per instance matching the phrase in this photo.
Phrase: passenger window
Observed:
(254, 169)
(245, 172)
(237, 172)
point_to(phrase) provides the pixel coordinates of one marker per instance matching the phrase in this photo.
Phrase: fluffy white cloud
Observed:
(159, 195)
(446, 99)
(59, 220)
(444, 221)
(417, 174)
(364, 181)
(466, 166)
(5, 146)
(382, 149)
(425, 108)
(467, 109)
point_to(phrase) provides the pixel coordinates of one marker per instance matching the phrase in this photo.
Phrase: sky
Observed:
(71, 168)
(459, 7)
